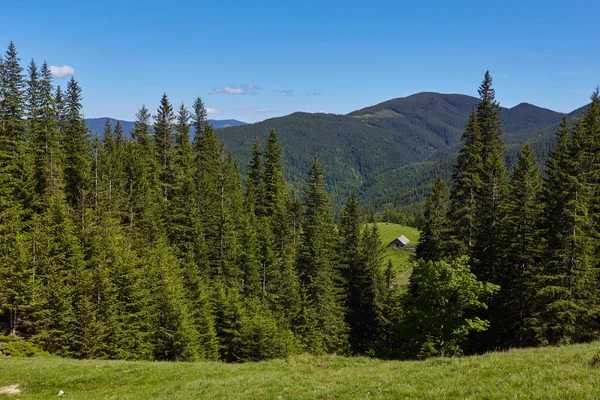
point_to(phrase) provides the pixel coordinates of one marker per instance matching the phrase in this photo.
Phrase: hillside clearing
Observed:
(548, 373)
(401, 258)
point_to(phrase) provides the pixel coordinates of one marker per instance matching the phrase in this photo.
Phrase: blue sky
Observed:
(263, 59)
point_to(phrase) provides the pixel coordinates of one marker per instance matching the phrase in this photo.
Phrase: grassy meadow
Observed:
(545, 373)
(401, 258)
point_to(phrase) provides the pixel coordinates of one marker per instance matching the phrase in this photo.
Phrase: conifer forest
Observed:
(154, 246)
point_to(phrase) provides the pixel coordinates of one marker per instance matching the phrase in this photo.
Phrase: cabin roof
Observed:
(403, 239)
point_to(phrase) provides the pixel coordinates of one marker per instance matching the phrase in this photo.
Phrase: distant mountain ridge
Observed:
(391, 152)
(97, 124)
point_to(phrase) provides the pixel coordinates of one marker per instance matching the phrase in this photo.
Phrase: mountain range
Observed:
(390, 152)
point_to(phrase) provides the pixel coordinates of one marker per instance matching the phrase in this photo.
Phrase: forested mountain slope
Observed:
(390, 152)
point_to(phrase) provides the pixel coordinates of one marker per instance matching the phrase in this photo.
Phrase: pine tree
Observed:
(112, 170)
(173, 336)
(199, 121)
(119, 329)
(45, 143)
(466, 183)
(186, 236)
(283, 281)
(316, 265)
(350, 249)
(59, 101)
(486, 251)
(144, 198)
(33, 104)
(521, 238)
(60, 262)
(183, 226)
(230, 222)
(105, 158)
(14, 269)
(250, 264)
(33, 96)
(12, 102)
(208, 175)
(567, 300)
(368, 286)
(255, 190)
(76, 146)
(433, 244)
(229, 311)
(163, 138)
(274, 180)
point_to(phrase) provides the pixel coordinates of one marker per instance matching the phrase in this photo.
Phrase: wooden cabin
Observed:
(400, 242)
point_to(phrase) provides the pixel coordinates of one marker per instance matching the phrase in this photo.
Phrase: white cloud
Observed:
(233, 89)
(60, 71)
(288, 93)
(214, 111)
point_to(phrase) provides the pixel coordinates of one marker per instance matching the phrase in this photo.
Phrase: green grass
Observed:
(549, 373)
(401, 259)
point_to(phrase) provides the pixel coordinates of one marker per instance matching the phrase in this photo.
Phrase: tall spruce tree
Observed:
(163, 138)
(208, 176)
(14, 269)
(60, 260)
(368, 285)
(144, 198)
(350, 228)
(44, 142)
(199, 120)
(567, 299)
(486, 251)
(76, 150)
(318, 271)
(433, 245)
(255, 190)
(466, 183)
(521, 238)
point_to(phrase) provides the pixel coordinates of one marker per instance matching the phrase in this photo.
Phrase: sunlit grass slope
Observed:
(401, 258)
(550, 373)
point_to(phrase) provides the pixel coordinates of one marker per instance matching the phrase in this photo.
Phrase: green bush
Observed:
(18, 347)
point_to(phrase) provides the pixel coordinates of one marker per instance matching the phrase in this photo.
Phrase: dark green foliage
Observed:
(255, 190)
(362, 259)
(434, 241)
(522, 241)
(45, 147)
(440, 305)
(149, 247)
(317, 267)
(390, 153)
(567, 294)
(14, 269)
(144, 201)
(76, 150)
(163, 139)
(467, 182)
(491, 193)
(58, 260)
(15, 346)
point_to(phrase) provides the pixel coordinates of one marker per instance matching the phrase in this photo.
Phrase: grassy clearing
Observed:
(550, 373)
(401, 259)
